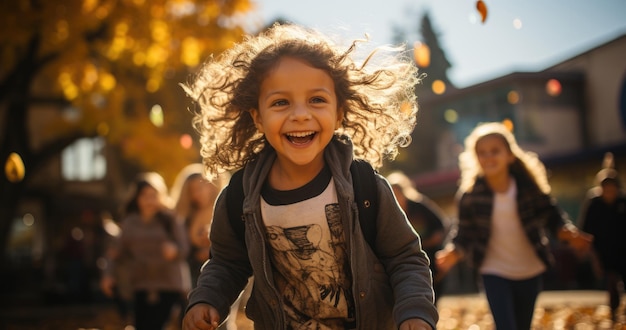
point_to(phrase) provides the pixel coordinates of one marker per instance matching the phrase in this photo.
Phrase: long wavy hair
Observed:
(184, 206)
(525, 166)
(377, 95)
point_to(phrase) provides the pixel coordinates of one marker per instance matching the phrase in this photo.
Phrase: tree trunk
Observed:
(15, 93)
(15, 140)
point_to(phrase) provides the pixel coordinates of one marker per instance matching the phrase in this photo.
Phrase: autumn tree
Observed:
(431, 59)
(104, 64)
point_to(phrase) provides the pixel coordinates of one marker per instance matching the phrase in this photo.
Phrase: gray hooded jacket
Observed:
(390, 285)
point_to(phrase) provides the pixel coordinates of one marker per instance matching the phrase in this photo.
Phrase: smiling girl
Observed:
(504, 212)
(293, 110)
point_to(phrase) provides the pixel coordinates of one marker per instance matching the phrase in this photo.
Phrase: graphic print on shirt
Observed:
(312, 267)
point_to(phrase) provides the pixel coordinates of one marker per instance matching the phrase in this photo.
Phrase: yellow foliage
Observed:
(190, 52)
(114, 59)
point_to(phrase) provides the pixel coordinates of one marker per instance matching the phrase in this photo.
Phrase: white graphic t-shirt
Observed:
(309, 258)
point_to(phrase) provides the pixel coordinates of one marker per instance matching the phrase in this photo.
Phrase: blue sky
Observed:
(551, 30)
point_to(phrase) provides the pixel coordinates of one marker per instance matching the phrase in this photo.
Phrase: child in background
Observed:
(603, 215)
(194, 198)
(154, 247)
(293, 110)
(425, 216)
(504, 212)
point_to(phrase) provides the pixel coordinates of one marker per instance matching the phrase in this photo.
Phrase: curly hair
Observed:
(526, 164)
(377, 99)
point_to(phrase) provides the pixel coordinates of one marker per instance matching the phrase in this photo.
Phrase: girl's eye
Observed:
(318, 99)
(279, 103)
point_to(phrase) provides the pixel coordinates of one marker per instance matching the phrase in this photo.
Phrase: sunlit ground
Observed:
(556, 310)
(579, 310)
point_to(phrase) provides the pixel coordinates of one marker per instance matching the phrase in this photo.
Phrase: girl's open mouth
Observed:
(300, 137)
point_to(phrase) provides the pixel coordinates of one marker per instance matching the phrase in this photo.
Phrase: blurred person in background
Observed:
(154, 247)
(425, 216)
(505, 210)
(603, 215)
(194, 198)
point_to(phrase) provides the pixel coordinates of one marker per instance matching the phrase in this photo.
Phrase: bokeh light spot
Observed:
(186, 141)
(153, 85)
(421, 54)
(107, 81)
(62, 30)
(508, 123)
(451, 116)
(156, 115)
(89, 5)
(438, 87)
(77, 234)
(472, 18)
(517, 23)
(139, 58)
(513, 97)
(28, 219)
(102, 129)
(190, 52)
(553, 87)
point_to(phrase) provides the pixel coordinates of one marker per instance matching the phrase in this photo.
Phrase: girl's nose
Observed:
(300, 112)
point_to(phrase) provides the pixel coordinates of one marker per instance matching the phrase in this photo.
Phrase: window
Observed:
(84, 160)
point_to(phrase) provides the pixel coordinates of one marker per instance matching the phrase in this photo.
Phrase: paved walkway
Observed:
(580, 310)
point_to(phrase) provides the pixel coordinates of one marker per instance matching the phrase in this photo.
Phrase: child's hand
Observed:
(415, 324)
(201, 317)
(577, 239)
(107, 283)
(170, 251)
(445, 260)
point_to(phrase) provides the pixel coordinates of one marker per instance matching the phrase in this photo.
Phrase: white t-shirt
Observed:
(309, 258)
(509, 253)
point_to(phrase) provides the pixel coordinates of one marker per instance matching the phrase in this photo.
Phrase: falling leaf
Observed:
(482, 9)
(14, 168)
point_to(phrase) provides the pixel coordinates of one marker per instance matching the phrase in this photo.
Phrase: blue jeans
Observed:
(512, 302)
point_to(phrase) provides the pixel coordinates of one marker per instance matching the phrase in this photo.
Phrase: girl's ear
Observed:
(340, 114)
(256, 117)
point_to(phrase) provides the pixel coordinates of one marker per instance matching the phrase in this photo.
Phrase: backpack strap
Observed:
(366, 196)
(234, 204)
(365, 192)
